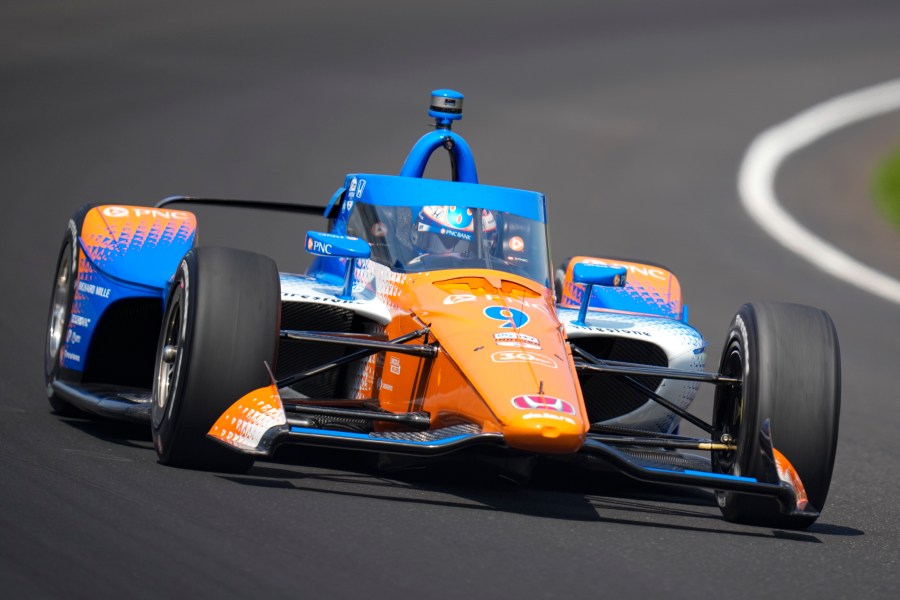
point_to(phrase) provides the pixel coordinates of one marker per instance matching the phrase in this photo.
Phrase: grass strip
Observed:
(886, 187)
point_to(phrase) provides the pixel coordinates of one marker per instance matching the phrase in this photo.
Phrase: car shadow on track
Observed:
(555, 492)
(132, 435)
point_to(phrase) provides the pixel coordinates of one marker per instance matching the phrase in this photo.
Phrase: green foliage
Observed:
(886, 187)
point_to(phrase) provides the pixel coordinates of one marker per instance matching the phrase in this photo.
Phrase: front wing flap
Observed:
(257, 424)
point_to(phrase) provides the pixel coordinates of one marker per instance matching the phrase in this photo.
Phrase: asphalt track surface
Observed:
(631, 116)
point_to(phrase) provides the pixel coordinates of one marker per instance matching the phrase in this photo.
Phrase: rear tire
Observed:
(789, 360)
(221, 324)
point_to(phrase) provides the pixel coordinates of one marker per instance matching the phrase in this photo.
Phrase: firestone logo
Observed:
(537, 402)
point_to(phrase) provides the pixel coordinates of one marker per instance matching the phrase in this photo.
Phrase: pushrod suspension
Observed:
(697, 421)
(394, 345)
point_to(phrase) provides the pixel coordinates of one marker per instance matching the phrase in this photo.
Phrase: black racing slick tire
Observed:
(62, 296)
(788, 358)
(220, 326)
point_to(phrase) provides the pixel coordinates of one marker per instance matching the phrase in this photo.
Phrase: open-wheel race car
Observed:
(431, 322)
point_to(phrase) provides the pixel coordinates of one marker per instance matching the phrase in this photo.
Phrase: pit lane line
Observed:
(768, 151)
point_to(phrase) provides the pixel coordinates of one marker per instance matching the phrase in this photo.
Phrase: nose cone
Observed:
(545, 424)
(511, 350)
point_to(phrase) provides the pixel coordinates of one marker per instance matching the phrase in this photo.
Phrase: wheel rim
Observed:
(170, 353)
(728, 410)
(58, 310)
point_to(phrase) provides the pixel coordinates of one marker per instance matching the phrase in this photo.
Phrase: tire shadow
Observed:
(554, 492)
(132, 435)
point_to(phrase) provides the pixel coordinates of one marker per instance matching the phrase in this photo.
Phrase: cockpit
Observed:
(415, 225)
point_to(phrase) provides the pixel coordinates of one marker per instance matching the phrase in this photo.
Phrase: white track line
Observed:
(756, 182)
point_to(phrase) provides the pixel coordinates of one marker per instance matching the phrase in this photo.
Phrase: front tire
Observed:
(788, 358)
(220, 327)
(61, 298)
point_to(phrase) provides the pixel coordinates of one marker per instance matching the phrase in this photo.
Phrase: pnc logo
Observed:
(156, 213)
(537, 402)
(511, 317)
(317, 247)
(457, 298)
(116, 211)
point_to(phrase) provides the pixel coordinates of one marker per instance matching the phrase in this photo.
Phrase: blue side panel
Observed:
(124, 252)
(94, 293)
(631, 300)
(137, 245)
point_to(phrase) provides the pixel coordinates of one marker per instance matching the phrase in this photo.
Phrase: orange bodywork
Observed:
(504, 362)
(245, 423)
(788, 474)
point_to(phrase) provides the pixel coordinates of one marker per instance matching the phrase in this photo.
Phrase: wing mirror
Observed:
(591, 275)
(339, 246)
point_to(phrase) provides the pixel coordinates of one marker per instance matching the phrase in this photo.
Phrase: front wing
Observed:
(257, 424)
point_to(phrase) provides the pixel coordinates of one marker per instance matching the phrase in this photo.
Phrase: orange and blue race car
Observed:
(431, 322)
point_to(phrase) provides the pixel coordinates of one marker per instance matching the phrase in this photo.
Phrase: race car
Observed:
(430, 322)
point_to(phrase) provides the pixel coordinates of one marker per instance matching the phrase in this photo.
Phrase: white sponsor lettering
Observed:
(395, 365)
(537, 304)
(526, 357)
(73, 337)
(156, 213)
(320, 248)
(607, 330)
(362, 186)
(81, 321)
(95, 290)
(519, 340)
(644, 270)
(115, 211)
(387, 387)
(160, 213)
(547, 415)
(329, 299)
(71, 356)
(457, 298)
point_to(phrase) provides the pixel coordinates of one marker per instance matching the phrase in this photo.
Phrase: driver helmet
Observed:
(450, 229)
